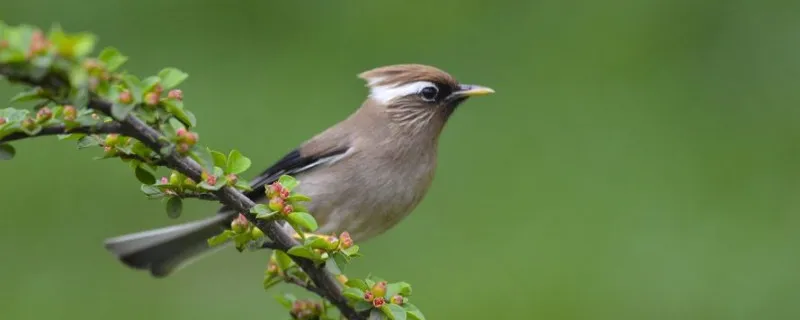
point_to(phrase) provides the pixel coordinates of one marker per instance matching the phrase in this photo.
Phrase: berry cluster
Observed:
(277, 195)
(305, 310)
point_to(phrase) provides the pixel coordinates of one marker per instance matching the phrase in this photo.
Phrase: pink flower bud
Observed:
(44, 114)
(211, 179)
(287, 209)
(176, 94)
(240, 224)
(378, 302)
(232, 178)
(345, 240)
(183, 148)
(70, 113)
(276, 204)
(397, 299)
(368, 296)
(164, 180)
(3, 121)
(151, 99)
(125, 97)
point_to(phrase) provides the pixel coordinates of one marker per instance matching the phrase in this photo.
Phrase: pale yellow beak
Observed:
(471, 90)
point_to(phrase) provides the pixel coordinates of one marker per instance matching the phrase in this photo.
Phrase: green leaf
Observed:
(29, 95)
(303, 252)
(362, 305)
(286, 300)
(219, 158)
(303, 219)
(298, 198)
(262, 212)
(318, 243)
(283, 260)
(151, 191)
(237, 163)
(413, 312)
(353, 293)
(7, 152)
(144, 176)
(271, 281)
(149, 83)
(88, 141)
(357, 283)
(120, 111)
(171, 77)
(203, 157)
(83, 43)
(175, 108)
(288, 182)
(112, 58)
(341, 259)
(401, 288)
(243, 185)
(220, 238)
(394, 311)
(174, 207)
(376, 314)
(352, 251)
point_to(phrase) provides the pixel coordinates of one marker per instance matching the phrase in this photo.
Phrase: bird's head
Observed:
(415, 92)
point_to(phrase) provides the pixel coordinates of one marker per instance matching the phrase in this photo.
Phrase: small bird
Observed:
(363, 175)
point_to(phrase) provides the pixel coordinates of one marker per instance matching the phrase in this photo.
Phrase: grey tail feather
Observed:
(165, 250)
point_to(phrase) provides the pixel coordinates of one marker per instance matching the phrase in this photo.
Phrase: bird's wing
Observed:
(292, 163)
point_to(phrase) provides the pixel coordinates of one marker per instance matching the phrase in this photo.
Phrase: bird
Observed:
(364, 174)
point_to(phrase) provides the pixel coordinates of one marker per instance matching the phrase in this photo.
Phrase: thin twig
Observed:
(303, 284)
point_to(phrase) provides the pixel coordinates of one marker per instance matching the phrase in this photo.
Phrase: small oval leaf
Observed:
(7, 152)
(174, 207)
(144, 176)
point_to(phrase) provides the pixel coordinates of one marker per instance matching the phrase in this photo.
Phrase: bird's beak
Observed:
(471, 90)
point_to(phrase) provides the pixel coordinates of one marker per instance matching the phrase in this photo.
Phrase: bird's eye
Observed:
(429, 93)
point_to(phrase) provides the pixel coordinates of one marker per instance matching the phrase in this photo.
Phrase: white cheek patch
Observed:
(386, 94)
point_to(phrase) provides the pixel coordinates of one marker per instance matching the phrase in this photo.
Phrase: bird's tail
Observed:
(164, 250)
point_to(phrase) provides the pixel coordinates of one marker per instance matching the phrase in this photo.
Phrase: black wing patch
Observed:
(291, 163)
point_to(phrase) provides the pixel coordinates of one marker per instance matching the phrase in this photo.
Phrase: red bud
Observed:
(276, 204)
(378, 302)
(232, 178)
(176, 94)
(183, 148)
(28, 123)
(368, 296)
(43, 114)
(70, 113)
(2, 121)
(211, 179)
(287, 209)
(151, 99)
(158, 89)
(125, 97)
(240, 224)
(284, 193)
(345, 240)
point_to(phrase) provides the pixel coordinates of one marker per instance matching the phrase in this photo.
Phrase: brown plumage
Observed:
(363, 174)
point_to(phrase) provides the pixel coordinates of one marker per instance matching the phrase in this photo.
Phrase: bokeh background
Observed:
(640, 160)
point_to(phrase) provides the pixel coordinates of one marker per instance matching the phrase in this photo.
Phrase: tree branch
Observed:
(325, 284)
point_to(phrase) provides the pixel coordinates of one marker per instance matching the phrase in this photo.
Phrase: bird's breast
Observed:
(366, 198)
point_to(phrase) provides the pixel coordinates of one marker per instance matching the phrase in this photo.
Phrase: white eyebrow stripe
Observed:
(385, 94)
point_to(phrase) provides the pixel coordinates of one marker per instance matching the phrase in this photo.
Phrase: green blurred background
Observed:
(640, 160)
